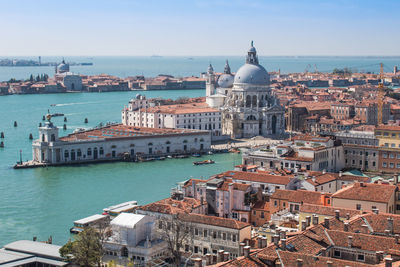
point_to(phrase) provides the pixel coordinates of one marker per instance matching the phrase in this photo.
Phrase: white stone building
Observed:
(303, 152)
(197, 115)
(115, 142)
(133, 237)
(247, 104)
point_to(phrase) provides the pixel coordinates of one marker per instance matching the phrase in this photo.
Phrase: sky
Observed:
(199, 28)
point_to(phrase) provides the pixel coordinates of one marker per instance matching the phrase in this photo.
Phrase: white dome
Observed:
(63, 67)
(225, 80)
(252, 74)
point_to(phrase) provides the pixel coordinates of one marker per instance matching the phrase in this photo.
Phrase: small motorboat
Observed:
(196, 155)
(182, 156)
(208, 161)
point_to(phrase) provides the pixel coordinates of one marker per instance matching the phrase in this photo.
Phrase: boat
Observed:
(182, 156)
(169, 156)
(210, 153)
(57, 114)
(160, 158)
(208, 161)
(196, 155)
(92, 221)
(234, 150)
(53, 105)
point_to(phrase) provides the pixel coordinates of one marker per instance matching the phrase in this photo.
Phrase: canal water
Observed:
(45, 201)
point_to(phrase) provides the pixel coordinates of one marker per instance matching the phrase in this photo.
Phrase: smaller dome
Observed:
(226, 80)
(63, 67)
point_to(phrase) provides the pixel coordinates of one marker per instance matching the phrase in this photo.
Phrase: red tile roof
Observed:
(212, 220)
(367, 192)
(257, 177)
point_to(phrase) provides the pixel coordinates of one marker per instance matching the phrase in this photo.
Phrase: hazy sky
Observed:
(185, 27)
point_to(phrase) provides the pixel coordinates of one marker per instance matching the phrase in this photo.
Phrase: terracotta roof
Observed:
(125, 132)
(377, 222)
(367, 192)
(190, 182)
(258, 177)
(201, 107)
(172, 206)
(299, 196)
(327, 210)
(212, 220)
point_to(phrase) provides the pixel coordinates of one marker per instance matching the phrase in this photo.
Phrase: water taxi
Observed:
(208, 161)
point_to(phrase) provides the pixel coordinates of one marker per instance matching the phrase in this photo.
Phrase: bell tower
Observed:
(48, 133)
(252, 55)
(211, 81)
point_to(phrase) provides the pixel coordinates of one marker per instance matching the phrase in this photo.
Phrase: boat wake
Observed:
(71, 104)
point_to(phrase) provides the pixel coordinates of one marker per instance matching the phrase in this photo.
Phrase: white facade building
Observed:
(115, 142)
(304, 152)
(133, 237)
(245, 100)
(197, 115)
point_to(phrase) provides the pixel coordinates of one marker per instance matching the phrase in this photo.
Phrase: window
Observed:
(196, 231)
(101, 151)
(79, 153)
(392, 145)
(391, 164)
(223, 236)
(89, 151)
(358, 206)
(384, 155)
(337, 254)
(360, 257)
(66, 154)
(275, 203)
(384, 164)
(391, 155)
(205, 233)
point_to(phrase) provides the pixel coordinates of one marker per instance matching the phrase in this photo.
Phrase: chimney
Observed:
(303, 225)
(376, 211)
(299, 262)
(388, 262)
(349, 241)
(337, 214)
(315, 219)
(329, 264)
(346, 226)
(283, 234)
(276, 240)
(198, 262)
(283, 244)
(308, 220)
(340, 173)
(326, 222)
(241, 246)
(364, 229)
(220, 255)
(347, 216)
(361, 184)
(226, 256)
(390, 225)
(246, 250)
(208, 259)
(259, 242)
(264, 241)
(379, 256)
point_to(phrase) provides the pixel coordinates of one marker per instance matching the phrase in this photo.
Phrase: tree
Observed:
(31, 78)
(176, 233)
(86, 250)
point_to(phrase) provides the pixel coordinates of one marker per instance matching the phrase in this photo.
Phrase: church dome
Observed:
(63, 67)
(225, 80)
(252, 74)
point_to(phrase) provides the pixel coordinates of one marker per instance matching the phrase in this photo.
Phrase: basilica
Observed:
(248, 108)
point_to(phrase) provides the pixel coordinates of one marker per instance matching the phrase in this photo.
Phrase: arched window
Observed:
(124, 252)
(79, 153)
(251, 118)
(150, 144)
(254, 100)
(168, 142)
(53, 138)
(201, 140)
(66, 154)
(101, 151)
(248, 101)
(184, 141)
(89, 151)
(42, 137)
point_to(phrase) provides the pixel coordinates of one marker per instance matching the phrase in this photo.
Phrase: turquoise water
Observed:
(45, 201)
(183, 66)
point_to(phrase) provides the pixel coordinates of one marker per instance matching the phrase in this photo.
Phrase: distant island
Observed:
(33, 63)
